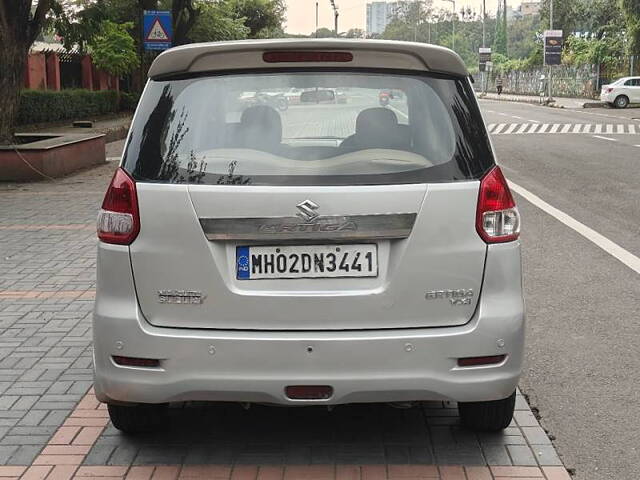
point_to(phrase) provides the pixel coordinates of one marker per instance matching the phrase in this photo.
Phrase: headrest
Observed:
(376, 120)
(261, 124)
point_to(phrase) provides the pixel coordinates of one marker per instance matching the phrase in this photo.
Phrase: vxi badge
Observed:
(460, 296)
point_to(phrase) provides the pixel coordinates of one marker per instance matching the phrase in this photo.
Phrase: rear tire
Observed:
(140, 418)
(489, 416)
(621, 101)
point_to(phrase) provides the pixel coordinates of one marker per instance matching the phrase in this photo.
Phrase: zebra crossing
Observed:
(558, 128)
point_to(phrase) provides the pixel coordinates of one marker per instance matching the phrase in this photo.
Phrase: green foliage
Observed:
(631, 10)
(264, 18)
(500, 40)
(324, 33)
(113, 50)
(216, 23)
(566, 15)
(607, 51)
(354, 33)
(128, 101)
(39, 106)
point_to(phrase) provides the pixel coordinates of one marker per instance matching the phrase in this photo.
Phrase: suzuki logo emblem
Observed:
(308, 210)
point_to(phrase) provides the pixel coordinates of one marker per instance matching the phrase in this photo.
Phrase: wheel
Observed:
(621, 101)
(282, 104)
(138, 418)
(488, 416)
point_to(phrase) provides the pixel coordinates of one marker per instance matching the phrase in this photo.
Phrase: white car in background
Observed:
(622, 92)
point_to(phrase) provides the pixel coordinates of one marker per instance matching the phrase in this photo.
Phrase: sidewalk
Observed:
(561, 102)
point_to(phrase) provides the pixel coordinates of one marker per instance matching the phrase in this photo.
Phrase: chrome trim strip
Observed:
(350, 227)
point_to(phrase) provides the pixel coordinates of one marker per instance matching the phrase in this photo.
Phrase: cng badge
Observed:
(457, 297)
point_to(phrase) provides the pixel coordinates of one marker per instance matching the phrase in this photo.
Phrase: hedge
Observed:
(39, 106)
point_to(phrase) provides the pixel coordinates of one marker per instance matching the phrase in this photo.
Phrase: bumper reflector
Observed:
(309, 392)
(136, 362)
(476, 361)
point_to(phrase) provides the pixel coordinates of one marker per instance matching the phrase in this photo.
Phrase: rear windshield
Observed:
(308, 128)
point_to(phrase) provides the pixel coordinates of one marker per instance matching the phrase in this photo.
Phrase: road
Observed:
(583, 357)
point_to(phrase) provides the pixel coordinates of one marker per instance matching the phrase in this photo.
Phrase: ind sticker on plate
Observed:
(242, 260)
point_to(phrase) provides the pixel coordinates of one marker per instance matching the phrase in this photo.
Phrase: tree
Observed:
(216, 22)
(20, 25)
(184, 15)
(354, 33)
(566, 15)
(631, 9)
(263, 17)
(113, 50)
(500, 40)
(323, 32)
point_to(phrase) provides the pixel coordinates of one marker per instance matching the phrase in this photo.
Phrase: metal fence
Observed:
(568, 81)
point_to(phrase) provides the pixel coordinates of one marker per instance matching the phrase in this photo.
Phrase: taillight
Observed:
(119, 220)
(497, 218)
(609, 90)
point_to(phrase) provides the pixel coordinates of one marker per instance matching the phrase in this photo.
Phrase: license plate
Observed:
(307, 261)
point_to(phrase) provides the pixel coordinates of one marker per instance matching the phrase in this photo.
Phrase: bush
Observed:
(128, 101)
(39, 106)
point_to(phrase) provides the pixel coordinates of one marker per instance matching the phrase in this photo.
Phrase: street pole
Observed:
(484, 14)
(316, 19)
(335, 14)
(484, 40)
(453, 25)
(550, 78)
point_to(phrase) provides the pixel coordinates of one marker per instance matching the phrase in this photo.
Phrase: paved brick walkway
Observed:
(51, 426)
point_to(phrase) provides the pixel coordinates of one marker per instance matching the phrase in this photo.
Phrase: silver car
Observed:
(320, 255)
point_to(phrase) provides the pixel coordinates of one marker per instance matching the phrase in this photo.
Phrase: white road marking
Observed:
(511, 128)
(562, 128)
(605, 138)
(499, 127)
(637, 146)
(613, 249)
(533, 121)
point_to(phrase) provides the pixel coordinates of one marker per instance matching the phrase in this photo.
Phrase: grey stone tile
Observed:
(536, 436)
(521, 455)
(496, 455)
(546, 455)
(25, 454)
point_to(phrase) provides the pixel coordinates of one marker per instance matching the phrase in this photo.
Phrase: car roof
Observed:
(247, 54)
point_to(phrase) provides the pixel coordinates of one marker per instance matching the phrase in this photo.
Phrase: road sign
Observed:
(552, 47)
(157, 29)
(484, 55)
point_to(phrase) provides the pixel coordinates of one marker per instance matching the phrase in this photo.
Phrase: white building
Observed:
(379, 15)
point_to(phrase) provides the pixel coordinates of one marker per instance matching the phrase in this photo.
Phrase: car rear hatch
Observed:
(349, 216)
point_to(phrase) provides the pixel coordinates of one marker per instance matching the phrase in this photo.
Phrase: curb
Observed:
(536, 101)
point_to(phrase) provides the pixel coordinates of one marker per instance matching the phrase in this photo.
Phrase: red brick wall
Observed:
(36, 72)
(53, 71)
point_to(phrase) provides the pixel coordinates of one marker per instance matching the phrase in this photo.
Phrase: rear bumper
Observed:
(607, 97)
(361, 366)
